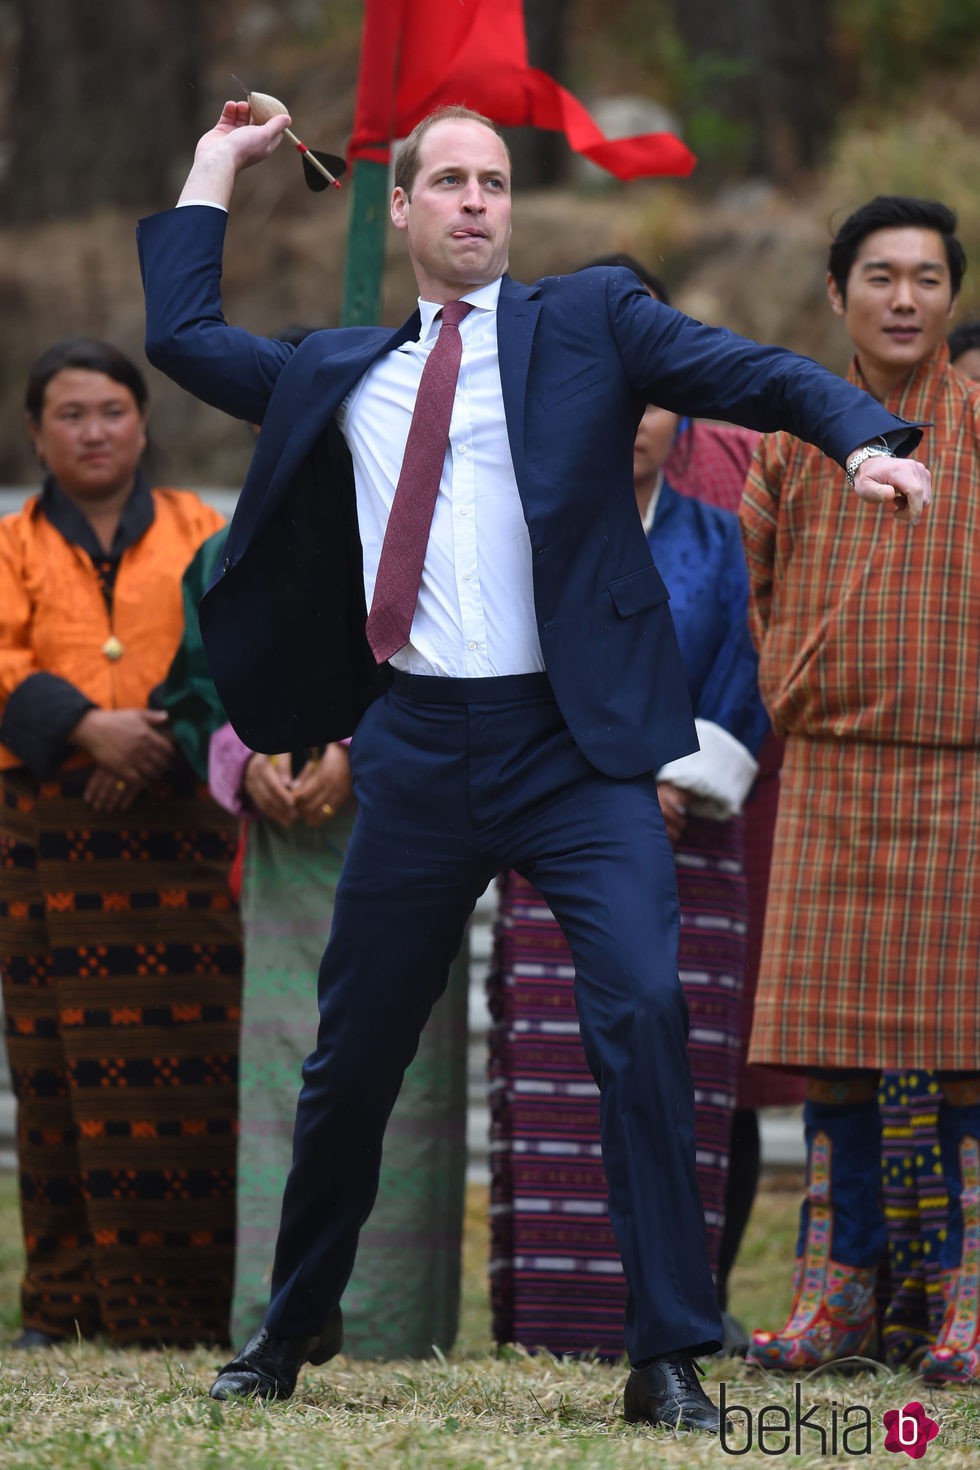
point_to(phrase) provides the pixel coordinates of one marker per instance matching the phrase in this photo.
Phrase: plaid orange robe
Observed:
(868, 633)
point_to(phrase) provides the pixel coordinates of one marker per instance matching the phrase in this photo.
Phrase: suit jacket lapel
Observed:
(295, 432)
(517, 318)
(337, 374)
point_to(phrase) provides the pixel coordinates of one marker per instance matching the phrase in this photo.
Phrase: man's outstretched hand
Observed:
(903, 483)
(234, 143)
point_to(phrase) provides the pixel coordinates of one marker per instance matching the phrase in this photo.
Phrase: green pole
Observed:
(365, 245)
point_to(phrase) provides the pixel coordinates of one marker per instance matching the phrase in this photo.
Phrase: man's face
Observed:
(654, 441)
(899, 300)
(457, 217)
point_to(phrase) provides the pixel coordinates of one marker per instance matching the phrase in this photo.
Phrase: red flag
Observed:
(417, 55)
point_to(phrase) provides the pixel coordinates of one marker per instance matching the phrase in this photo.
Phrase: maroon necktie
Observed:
(396, 588)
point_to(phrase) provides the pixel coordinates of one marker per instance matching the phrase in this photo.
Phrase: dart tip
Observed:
(337, 184)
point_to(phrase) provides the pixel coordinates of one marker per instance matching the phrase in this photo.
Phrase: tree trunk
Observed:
(763, 67)
(105, 109)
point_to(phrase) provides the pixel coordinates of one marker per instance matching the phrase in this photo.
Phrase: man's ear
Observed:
(399, 208)
(34, 434)
(837, 303)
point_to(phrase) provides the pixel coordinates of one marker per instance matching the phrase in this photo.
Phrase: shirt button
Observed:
(471, 645)
(463, 448)
(466, 576)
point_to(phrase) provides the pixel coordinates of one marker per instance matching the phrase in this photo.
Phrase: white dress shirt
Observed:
(475, 613)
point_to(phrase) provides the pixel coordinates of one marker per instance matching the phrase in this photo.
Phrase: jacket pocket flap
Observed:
(638, 591)
(582, 379)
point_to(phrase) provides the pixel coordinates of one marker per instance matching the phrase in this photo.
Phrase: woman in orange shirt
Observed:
(119, 947)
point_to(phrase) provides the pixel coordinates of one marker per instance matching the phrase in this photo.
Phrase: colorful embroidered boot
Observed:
(956, 1355)
(911, 1293)
(833, 1313)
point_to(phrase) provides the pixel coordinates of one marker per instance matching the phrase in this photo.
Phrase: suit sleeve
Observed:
(709, 372)
(187, 336)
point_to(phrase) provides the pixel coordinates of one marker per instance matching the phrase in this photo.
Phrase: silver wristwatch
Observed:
(877, 446)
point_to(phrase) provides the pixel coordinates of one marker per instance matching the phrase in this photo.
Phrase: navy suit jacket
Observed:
(580, 358)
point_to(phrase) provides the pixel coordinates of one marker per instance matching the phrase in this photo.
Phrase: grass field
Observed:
(86, 1407)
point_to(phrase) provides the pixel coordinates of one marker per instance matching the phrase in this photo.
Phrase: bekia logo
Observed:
(822, 1429)
(909, 1429)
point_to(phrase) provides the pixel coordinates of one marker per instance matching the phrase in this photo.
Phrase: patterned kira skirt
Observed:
(121, 963)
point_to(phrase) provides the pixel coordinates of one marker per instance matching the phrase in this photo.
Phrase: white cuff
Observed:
(718, 777)
(208, 203)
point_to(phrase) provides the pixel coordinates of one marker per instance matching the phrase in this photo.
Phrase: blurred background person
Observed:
(964, 349)
(119, 944)
(556, 1281)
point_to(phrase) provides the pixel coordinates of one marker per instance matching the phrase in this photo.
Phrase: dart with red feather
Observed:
(319, 169)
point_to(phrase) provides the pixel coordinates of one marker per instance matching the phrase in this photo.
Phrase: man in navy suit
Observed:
(522, 723)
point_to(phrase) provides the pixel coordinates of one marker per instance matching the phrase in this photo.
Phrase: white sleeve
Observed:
(718, 777)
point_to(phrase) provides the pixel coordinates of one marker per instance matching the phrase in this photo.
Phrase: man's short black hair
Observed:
(653, 283)
(963, 338)
(895, 211)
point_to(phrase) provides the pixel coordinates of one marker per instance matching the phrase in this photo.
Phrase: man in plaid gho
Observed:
(869, 646)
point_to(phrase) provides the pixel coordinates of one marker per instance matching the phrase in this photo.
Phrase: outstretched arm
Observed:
(221, 154)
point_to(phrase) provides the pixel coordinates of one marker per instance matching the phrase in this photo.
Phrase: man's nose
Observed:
(92, 427)
(903, 296)
(473, 199)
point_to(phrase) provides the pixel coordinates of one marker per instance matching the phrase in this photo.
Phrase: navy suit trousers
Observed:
(456, 780)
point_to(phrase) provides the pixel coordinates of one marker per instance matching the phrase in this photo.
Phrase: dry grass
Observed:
(90, 1408)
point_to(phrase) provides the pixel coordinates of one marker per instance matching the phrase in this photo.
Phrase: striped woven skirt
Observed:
(403, 1296)
(121, 961)
(556, 1278)
(873, 922)
(761, 1087)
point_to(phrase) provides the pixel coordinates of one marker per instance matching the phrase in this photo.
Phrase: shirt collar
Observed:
(484, 298)
(136, 519)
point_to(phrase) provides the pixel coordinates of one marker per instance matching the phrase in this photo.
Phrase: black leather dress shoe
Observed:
(668, 1391)
(267, 1366)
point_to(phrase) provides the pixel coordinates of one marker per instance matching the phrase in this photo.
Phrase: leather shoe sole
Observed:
(667, 1391)
(267, 1366)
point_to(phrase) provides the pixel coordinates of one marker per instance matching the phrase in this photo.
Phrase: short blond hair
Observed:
(408, 161)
